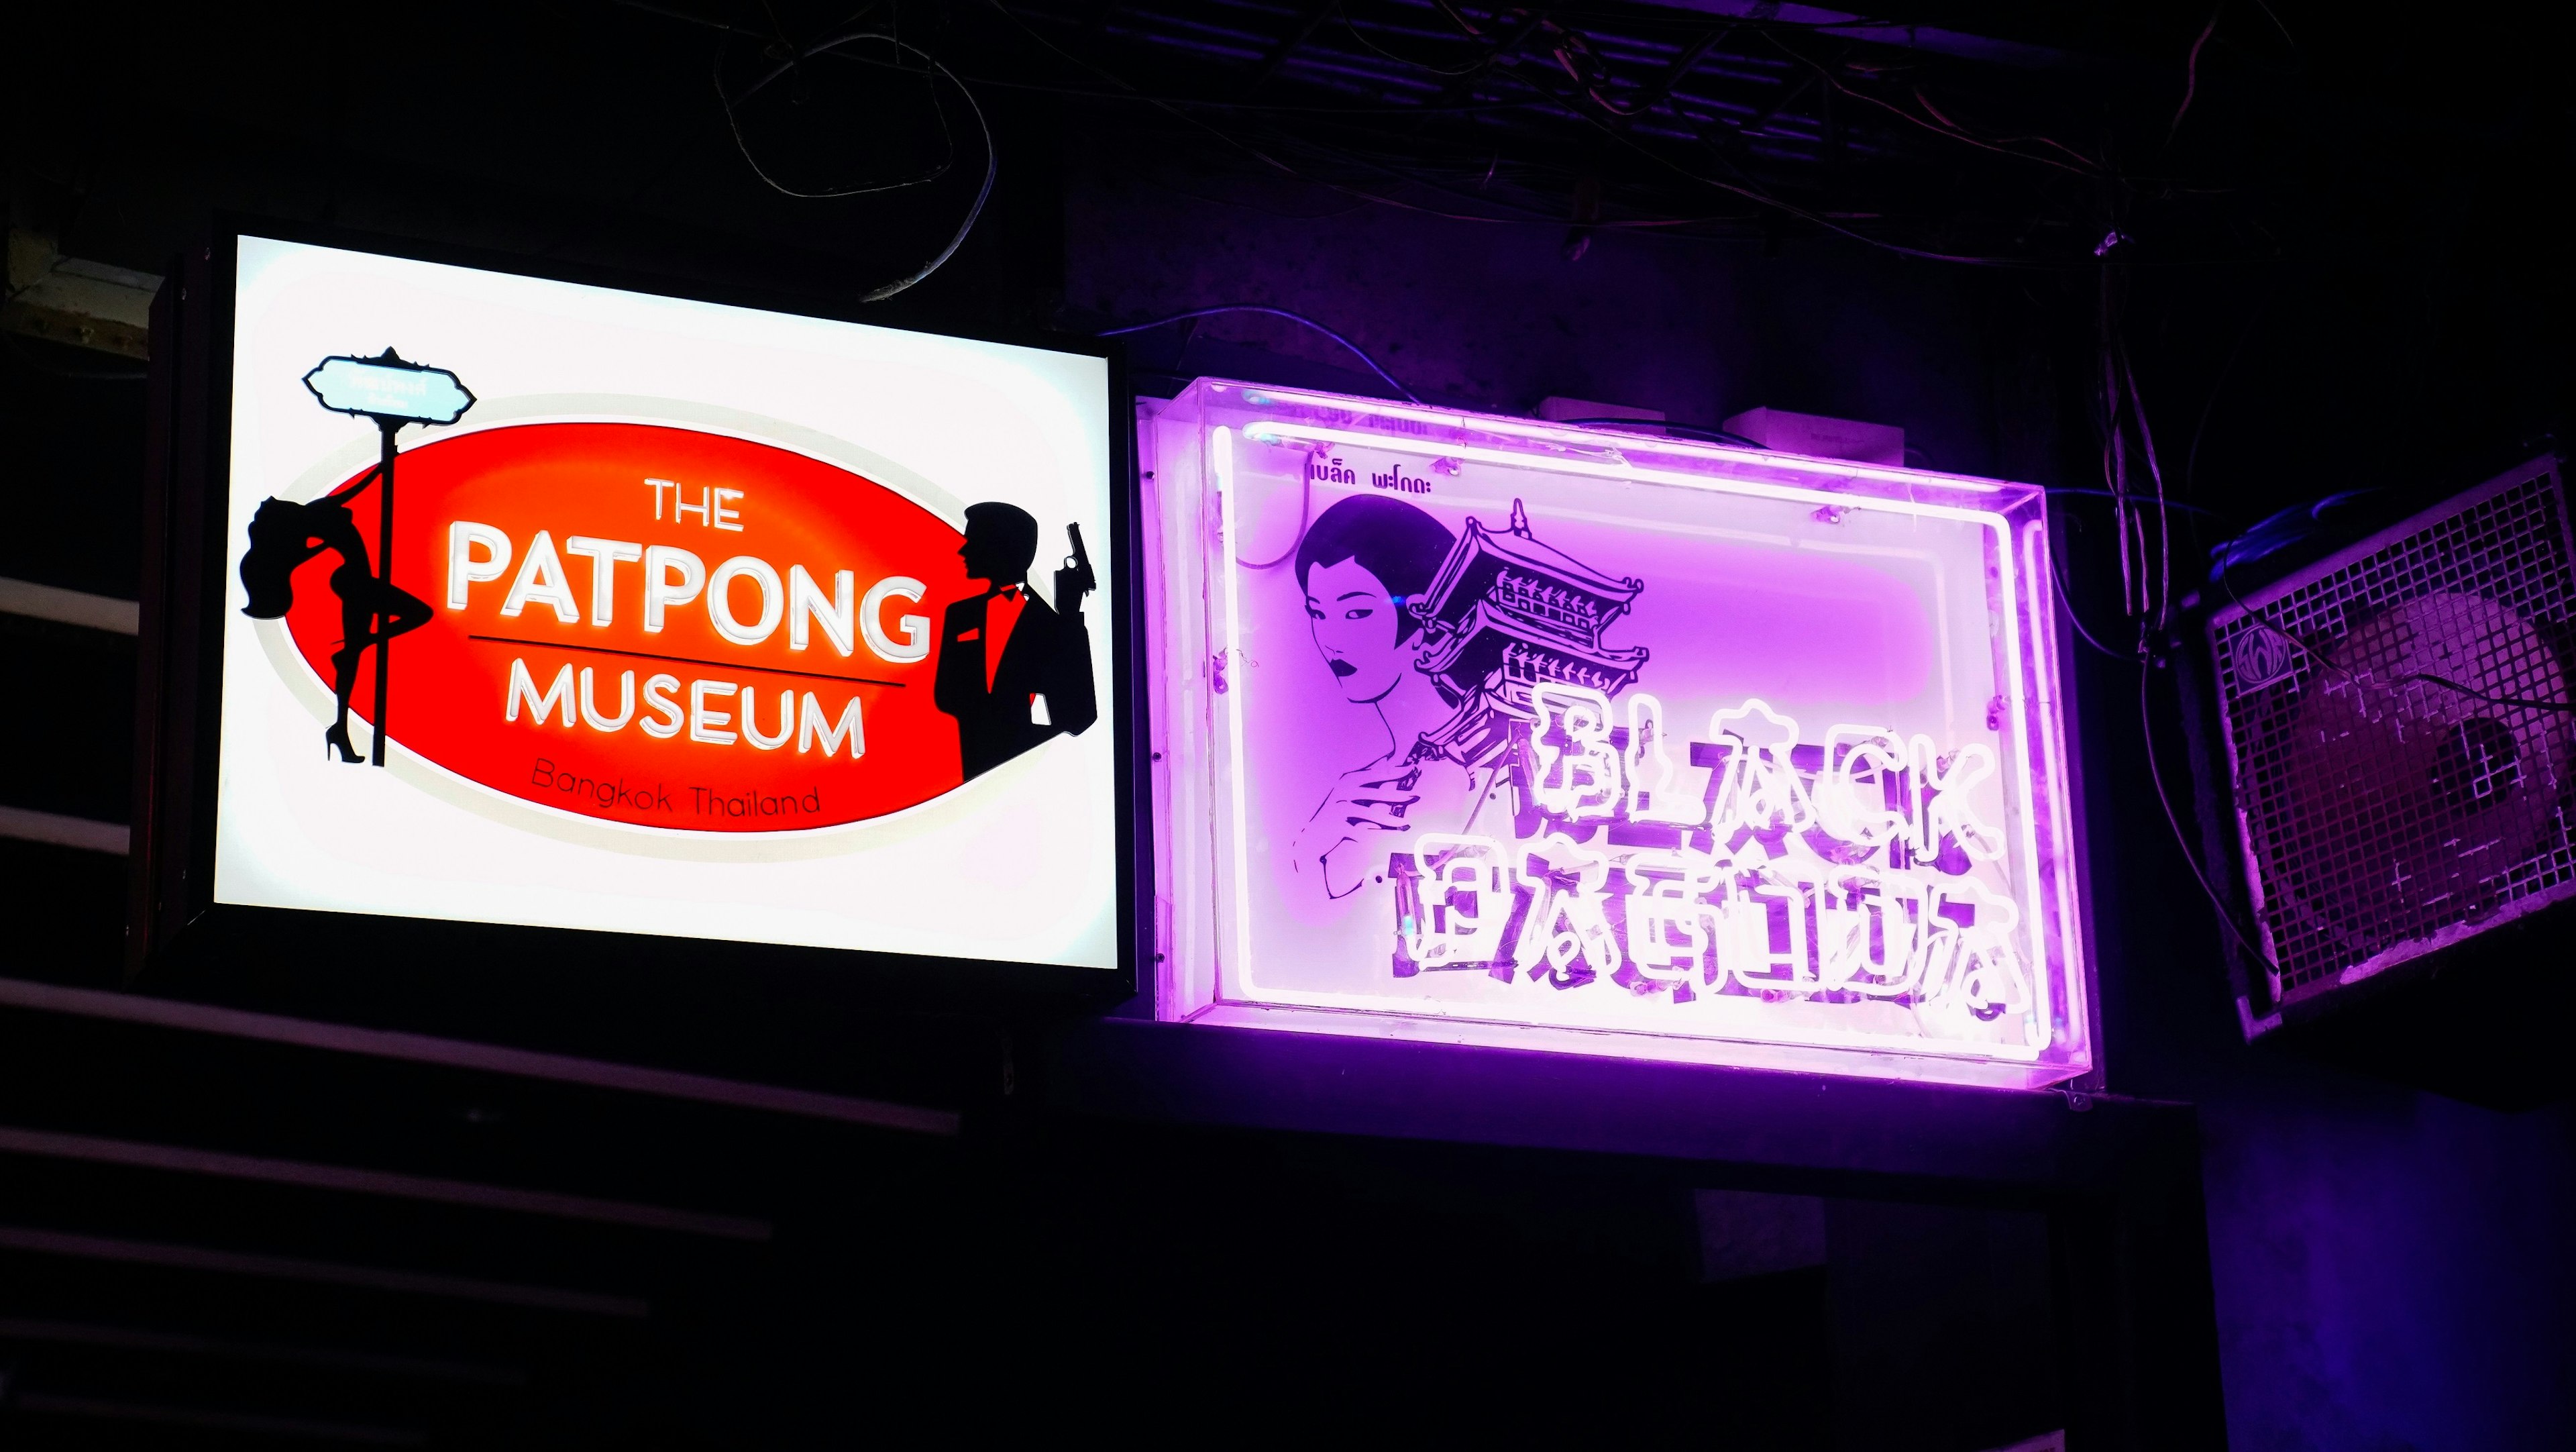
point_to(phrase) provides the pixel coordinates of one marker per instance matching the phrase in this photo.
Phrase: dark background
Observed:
(2340, 267)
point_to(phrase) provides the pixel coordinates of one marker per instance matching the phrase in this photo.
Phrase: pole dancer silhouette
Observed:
(285, 534)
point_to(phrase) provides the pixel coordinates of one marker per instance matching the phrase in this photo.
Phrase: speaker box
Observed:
(2398, 754)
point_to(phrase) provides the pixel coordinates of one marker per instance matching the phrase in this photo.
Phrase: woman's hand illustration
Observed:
(1363, 805)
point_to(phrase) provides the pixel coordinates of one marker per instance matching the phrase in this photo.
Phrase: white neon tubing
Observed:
(1222, 448)
(2016, 702)
(1764, 458)
(1274, 433)
(1772, 1034)
(2030, 633)
(2043, 633)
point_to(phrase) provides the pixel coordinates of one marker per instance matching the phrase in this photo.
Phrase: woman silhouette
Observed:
(283, 535)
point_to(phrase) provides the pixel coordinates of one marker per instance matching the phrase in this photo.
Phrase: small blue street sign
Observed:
(388, 389)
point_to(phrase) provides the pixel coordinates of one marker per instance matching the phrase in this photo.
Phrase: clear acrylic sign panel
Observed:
(1484, 730)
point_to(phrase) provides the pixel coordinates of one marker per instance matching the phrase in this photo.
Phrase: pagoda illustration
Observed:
(1506, 614)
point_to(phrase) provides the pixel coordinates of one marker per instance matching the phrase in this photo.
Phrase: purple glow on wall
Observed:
(1484, 730)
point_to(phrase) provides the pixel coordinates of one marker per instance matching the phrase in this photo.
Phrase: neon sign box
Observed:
(1483, 730)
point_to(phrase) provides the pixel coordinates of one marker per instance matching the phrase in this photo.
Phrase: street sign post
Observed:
(392, 392)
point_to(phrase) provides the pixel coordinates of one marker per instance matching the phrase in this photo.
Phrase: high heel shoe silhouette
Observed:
(338, 736)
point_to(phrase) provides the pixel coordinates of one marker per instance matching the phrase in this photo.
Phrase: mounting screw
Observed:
(2079, 1102)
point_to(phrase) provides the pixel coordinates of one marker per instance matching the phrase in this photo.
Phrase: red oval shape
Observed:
(495, 694)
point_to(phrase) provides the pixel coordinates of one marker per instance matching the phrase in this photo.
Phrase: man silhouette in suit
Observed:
(1003, 652)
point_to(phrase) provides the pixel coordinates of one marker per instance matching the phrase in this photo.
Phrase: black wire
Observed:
(992, 157)
(1950, 132)
(1576, 104)
(1557, 98)
(2191, 463)
(734, 123)
(983, 194)
(2147, 735)
(1480, 63)
(1354, 348)
(2445, 682)
(1177, 113)
(2511, 702)
(1306, 487)
(1756, 194)
(2170, 504)
(1200, 102)
(1570, 109)
(2056, 568)
(1143, 98)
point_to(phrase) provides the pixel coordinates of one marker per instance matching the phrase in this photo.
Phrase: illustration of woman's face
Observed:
(1356, 626)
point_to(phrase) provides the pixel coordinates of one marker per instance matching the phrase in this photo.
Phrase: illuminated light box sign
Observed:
(680, 619)
(1485, 730)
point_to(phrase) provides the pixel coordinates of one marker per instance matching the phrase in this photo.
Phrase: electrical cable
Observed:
(1179, 114)
(1532, 215)
(2155, 471)
(1764, 198)
(1792, 209)
(2226, 370)
(1546, 97)
(1472, 67)
(1554, 97)
(1542, 99)
(2139, 598)
(1144, 98)
(2155, 775)
(1660, 91)
(2191, 72)
(1353, 348)
(2091, 165)
(820, 48)
(2065, 597)
(2356, 682)
(2107, 494)
(983, 193)
(1951, 132)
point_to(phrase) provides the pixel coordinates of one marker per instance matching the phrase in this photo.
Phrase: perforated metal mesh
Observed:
(2381, 805)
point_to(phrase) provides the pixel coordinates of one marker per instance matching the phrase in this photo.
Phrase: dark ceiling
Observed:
(2021, 135)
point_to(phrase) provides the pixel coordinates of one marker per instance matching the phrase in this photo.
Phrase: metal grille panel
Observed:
(2400, 771)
